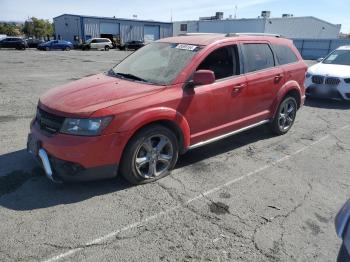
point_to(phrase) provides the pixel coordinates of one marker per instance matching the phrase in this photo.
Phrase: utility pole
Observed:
(236, 8)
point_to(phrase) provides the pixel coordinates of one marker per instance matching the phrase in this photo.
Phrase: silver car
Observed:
(98, 43)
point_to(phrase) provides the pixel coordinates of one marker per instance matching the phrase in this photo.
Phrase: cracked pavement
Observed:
(251, 197)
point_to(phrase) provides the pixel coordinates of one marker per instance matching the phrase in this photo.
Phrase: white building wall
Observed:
(294, 27)
(232, 26)
(302, 27)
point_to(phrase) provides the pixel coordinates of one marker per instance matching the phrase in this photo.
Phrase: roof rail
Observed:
(252, 34)
(191, 34)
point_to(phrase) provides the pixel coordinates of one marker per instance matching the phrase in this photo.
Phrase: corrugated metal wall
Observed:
(91, 27)
(316, 48)
(68, 26)
(130, 30)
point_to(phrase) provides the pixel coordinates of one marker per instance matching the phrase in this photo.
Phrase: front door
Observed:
(220, 101)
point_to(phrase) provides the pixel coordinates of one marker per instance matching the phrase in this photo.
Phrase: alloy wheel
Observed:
(286, 115)
(153, 156)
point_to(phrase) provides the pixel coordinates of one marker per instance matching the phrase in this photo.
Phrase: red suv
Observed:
(168, 97)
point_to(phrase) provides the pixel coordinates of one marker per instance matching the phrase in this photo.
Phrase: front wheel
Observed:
(47, 48)
(285, 116)
(67, 48)
(106, 48)
(150, 155)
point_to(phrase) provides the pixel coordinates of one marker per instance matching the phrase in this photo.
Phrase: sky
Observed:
(335, 11)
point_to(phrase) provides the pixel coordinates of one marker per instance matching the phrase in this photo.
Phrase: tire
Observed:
(285, 116)
(106, 48)
(157, 162)
(67, 48)
(47, 48)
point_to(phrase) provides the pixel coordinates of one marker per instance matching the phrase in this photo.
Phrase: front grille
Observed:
(49, 122)
(332, 81)
(318, 80)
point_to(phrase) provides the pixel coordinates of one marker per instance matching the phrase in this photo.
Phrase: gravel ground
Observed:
(251, 197)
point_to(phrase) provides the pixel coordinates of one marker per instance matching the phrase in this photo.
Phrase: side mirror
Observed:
(320, 59)
(203, 77)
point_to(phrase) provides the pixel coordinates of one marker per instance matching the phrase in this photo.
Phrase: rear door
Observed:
(293, 68)
(264, 80)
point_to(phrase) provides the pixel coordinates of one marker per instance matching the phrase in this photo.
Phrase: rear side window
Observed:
(257, 57)
(284, 54)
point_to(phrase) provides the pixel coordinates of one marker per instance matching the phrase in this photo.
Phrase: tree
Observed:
(10, 29)
(38, 27)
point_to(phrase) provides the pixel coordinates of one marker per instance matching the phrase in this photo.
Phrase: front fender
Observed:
(286, 88)
(152, 115)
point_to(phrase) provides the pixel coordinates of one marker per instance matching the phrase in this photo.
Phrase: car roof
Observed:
(204, 39)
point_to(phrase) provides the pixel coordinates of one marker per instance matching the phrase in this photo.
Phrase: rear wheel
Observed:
(150, 155)
(285, 116)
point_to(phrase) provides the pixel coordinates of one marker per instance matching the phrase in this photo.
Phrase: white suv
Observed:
(98, 43)
(330, 78)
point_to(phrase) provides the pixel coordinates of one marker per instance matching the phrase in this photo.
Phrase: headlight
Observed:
(85, 126)
(308, 75)
(347, 80)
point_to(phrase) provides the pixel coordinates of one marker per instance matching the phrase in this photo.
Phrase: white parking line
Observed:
(198, 197)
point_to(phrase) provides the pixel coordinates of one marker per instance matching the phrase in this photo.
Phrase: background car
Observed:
(132, 45)
(343, 231)
(14, 42)
(330, 78)
(33, 43)
(98, 43)
(56, 45)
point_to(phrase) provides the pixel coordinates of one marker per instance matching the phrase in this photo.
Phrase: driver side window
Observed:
(222, 61)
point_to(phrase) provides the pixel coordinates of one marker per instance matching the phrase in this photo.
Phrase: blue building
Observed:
(78, 28)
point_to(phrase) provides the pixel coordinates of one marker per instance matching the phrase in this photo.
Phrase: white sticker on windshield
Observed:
(332, 57)
(186, 47)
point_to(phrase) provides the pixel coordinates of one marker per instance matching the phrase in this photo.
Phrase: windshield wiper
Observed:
(131, 76)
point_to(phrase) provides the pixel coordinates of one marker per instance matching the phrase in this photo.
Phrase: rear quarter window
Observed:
(257, 57)
(284, 54)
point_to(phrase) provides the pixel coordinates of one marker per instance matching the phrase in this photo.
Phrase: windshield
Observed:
(157, 63)
(338, 57)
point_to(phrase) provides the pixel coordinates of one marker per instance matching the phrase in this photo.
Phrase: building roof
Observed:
(115, 18)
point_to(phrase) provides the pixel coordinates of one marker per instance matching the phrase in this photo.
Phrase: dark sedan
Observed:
(56, 45)
(132, 45)
(34, 43)
(13, 42)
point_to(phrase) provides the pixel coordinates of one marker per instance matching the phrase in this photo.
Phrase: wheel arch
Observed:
(167, 117)
(291, 88)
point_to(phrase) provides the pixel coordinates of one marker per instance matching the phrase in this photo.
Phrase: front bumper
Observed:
(340, 91)
(77, 158)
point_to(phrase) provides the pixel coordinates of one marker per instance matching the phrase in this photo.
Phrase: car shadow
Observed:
(327, 103)
(23, 186)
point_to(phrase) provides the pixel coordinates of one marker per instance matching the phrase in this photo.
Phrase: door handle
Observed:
(278, 78)
(236, 89)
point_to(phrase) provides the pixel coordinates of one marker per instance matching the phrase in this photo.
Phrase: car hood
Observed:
(85, 96)
(342, 71)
